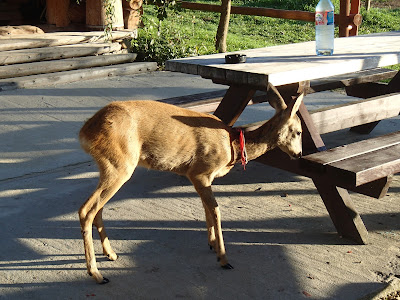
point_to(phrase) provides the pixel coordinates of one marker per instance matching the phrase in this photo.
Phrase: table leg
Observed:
(233, 103)
(394, 84)
(337, 200)
(312, 140)
(343, 214)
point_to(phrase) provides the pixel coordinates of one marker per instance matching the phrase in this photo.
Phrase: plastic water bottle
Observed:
(324, 27)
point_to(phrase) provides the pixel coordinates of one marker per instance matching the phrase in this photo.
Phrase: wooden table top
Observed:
(293, 63)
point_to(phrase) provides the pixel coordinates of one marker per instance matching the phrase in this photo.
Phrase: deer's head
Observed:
(289, 131)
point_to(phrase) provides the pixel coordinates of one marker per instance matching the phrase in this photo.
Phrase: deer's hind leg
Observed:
(111, 180)
(107, 250)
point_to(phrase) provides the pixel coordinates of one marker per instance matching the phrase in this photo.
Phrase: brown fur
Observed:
(124, 135)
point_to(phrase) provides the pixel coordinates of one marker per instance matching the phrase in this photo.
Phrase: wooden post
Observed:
(367, 4)
(96, 14)
(354, 10)
(344, 13)
(51, 11)
(57, 12)
(222, 32)
(349, 8)
(133, 11)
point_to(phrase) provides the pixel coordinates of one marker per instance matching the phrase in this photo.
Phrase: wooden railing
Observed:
(348, 19)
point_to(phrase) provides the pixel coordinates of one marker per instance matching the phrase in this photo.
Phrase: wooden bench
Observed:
(365, 167)
(207, 102)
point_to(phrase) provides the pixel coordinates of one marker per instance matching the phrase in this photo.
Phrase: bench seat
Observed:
(358, 164)
(350, 79)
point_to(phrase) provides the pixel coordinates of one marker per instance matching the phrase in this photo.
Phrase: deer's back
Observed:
(158, 135)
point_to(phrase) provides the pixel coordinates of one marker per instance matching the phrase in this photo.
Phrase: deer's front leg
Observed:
(210, 229)
(203, 188)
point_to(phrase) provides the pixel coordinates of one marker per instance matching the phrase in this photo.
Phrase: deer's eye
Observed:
(298, 133)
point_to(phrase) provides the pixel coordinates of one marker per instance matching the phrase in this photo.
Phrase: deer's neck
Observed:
(258, 141)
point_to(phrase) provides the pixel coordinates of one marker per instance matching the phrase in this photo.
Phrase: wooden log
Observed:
(38, 41)
(76, 75)
(24, 41)
(64, 65)
(57, 52)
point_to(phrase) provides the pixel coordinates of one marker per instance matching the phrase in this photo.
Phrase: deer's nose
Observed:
(298, 155)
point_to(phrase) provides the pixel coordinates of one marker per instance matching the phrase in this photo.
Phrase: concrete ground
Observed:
(278, 234)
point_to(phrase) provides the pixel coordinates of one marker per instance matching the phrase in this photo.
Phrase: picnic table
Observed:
(364, 167)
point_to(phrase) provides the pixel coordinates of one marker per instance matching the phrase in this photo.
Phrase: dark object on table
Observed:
(235, 58)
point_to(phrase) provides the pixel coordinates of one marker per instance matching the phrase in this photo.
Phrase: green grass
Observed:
(186, 32)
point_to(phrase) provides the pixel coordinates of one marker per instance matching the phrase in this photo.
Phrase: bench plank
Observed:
(356, 113)
(208, 102)
(350, 79)
(351, 114)
(358, 163)
(369, 166)
(354, 149)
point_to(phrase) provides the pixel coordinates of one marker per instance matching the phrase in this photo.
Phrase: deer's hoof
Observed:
(99, 279)
(212, 248)
(104, 281)
(227, 267)
(112, 256)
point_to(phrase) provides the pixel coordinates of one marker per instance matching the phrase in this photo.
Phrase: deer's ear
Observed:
(275, 99)
(294, 106)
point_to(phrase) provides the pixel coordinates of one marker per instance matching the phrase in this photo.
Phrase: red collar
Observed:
(243, 152)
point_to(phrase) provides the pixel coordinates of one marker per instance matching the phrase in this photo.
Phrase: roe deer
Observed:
(160, 136)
